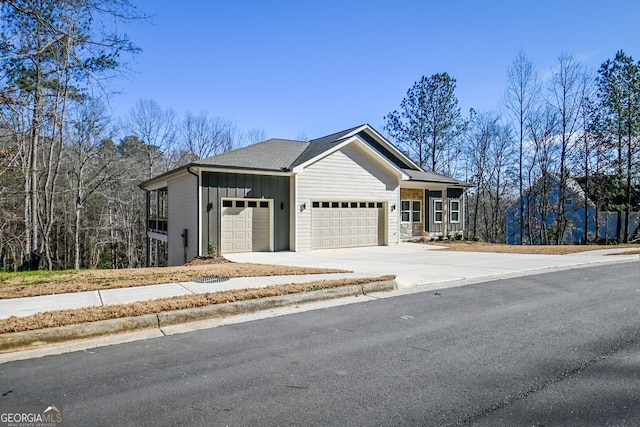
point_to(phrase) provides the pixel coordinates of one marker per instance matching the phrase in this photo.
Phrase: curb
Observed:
(36, 338)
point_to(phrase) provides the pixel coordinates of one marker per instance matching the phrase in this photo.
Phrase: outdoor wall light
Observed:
(393, 207)
(303, 206)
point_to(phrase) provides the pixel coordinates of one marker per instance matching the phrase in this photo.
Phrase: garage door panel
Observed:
(347, 224)
(245, 228)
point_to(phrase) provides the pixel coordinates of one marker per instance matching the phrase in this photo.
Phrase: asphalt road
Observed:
(561, 348)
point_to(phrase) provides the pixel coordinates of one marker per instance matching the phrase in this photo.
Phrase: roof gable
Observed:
(322, 146)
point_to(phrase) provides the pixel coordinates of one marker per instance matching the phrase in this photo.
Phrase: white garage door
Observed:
(246, 225)
(347, 224)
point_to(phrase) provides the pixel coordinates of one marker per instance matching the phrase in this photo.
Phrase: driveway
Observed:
(417, 264)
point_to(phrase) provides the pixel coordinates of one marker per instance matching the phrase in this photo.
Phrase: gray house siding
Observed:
(218, 185)
(447, 225)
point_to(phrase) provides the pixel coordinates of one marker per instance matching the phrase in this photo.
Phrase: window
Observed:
(568, 201)
(345, 204)
(239, 203)
(416, 211)
(264, 204)
(454, 210)
(252, 204)
(227, 203)
(406, 211)
(411, 211)
(437, 211)
(316, 204)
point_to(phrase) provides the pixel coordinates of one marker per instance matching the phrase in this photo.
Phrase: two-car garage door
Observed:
(340, 224)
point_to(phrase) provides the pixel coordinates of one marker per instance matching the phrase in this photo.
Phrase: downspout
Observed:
(197, 236)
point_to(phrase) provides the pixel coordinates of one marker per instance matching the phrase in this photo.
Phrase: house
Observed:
(540, 214)
(350, 188)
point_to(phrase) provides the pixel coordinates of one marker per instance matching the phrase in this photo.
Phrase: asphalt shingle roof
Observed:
(272, 154)
(283, 154)
(320, 145)
(430, 176)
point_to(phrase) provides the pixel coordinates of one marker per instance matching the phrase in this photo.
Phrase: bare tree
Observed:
(489, 153)
(54, 49)
(253, 136)
(521, 97)
(88, 164)
(157, 129)
(567, 95)
(204, 136)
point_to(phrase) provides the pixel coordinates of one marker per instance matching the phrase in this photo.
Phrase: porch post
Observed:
(445, 212)
(146, 229)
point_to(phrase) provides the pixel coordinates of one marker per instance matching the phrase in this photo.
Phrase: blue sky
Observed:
(316, 67)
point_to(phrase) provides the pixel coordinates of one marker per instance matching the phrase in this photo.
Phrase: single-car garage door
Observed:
(246, 225)
(339, 224)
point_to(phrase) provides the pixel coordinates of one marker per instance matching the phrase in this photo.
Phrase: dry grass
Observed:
(27, 284)
(53, 319)
(467, 246)
(636, 252)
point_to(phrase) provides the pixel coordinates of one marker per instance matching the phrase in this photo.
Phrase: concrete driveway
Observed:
(417, 264)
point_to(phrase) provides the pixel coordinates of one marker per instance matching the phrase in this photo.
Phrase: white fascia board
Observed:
(366, 147)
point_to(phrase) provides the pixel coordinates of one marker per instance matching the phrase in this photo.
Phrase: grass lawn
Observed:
(52, 319)
(34, 283)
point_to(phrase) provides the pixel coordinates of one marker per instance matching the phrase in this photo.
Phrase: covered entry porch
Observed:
(431, 211)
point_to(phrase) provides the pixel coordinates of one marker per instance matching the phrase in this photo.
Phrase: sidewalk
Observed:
(414, 265)
(21, 307)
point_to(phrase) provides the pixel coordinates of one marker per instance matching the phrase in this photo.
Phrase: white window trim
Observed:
(451, 211)
(411, 211)
(435, 211)
(414, 211)
(402, 210)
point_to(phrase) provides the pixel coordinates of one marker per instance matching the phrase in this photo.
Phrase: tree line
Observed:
(70, 173)
(576, 124)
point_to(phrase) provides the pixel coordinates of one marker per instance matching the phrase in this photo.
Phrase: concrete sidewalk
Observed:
(414, 265)
(21, 307)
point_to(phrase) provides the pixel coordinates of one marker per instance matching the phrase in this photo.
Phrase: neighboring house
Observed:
(351, 188)
(540, 212)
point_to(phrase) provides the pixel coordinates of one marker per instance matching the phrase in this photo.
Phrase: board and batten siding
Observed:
(181, 201)
(219, 185)
(349, 174)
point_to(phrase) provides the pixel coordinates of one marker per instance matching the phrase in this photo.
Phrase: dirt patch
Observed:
(17, 285)
(467, 246)
(53, 319)
(206, 260)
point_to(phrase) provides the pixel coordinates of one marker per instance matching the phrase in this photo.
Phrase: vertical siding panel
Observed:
(223, 185)
(240, 190)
